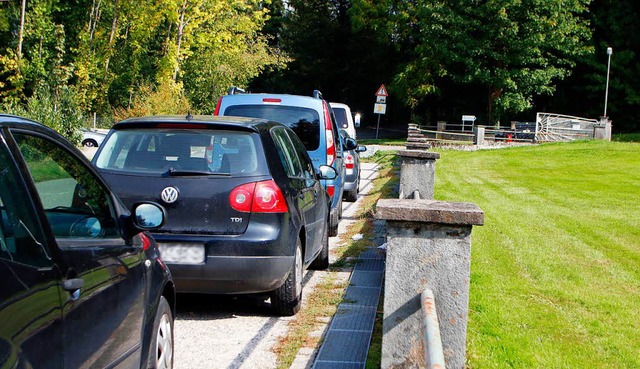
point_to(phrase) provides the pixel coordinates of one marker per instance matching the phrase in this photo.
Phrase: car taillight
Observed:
(241, 197)
(146, 242)
(331, 147)
(331, 190)
(217, 111)
(349, 163)
(258, 197)
(271, 100)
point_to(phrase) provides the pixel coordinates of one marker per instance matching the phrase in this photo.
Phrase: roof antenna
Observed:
(189, 116)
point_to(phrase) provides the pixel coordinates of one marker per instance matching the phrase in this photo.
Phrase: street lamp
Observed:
(606, 92)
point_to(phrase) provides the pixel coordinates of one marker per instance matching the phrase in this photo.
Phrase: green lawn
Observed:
(555, 271)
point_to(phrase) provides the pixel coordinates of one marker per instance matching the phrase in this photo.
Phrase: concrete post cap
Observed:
(419, 154)
(429, 211)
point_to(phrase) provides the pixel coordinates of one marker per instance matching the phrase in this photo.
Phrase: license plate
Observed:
(182, 253)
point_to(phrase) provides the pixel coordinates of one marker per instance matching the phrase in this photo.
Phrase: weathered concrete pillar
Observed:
(441, 127)
(478, 138)
(418, 173)
(602, 131)
(428, 246)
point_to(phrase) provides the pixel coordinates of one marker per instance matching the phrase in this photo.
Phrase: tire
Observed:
(340, 209)
(351, 195)
(322, 260)
(333, 224)
(287, 299)
(89, 143)
(161, 350)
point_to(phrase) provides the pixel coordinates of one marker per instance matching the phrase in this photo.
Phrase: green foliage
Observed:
(58, 112)
(225, 48)
(517, 49)
(124, 52)
(165, 99)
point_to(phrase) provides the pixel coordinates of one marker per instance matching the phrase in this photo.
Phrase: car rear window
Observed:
(158, 150)
(305, 122)
(341, 117)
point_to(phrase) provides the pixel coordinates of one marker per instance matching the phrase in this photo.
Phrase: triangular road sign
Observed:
(382, 91)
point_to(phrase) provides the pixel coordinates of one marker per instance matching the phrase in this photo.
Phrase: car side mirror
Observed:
(356, 120)
(361, 149)
(327, 172)
(148, 216)
(350, 144)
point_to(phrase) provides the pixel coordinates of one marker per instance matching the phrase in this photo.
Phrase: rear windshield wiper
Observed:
(185, 172)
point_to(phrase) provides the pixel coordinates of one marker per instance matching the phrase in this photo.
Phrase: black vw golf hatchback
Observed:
(246, 209)
(81, 284)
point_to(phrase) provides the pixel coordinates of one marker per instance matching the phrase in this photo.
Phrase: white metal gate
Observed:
(557, 127)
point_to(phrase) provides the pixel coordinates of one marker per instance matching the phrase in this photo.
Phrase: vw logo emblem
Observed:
(169, 195)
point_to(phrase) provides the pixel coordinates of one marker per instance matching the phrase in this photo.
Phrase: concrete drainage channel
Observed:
(346, 335)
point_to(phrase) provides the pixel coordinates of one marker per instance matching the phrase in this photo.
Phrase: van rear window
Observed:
(341, 117)
(304, 122)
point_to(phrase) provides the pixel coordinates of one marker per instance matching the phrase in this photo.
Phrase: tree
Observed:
(515, 48)
(225, 47)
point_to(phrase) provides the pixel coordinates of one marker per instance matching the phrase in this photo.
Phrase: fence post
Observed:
(428, 246)
(478, 138)
(417, 173)
(442, 126)
(602, 130)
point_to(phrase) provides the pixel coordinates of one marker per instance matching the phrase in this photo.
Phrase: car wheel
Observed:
(286, 300)
(161, 350)
(351, 195)
(333, 224)
(340, 209)
(322, 260)
(89, 143)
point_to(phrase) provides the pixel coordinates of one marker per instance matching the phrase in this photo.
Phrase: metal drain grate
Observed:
(346, 343)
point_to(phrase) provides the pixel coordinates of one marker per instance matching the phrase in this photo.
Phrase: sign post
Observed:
(380, 106)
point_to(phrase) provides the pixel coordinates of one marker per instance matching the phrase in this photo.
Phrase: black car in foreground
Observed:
(82, 286)
(246, 209)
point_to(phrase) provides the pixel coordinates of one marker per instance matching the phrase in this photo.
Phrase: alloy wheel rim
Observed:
(298, 272)
(164, 344)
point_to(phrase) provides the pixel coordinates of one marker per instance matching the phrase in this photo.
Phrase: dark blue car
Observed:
(246, 209)
(82, 285)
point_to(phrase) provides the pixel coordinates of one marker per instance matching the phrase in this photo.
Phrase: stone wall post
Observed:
(418, 172)
(602, 131)
(478, 138)
(428, 246)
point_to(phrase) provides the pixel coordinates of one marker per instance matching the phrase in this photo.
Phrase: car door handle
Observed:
(73, 284)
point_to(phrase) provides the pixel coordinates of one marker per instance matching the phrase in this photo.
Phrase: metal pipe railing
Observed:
(433, 355)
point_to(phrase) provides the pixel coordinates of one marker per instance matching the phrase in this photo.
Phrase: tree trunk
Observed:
(21, 32)
(93, 21)
(179, 41)
(114, 26)
(494, 93)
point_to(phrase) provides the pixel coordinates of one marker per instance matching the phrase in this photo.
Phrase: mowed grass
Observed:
(555, 270)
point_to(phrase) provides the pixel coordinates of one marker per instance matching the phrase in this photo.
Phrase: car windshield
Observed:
(305, 122)
(179, 152)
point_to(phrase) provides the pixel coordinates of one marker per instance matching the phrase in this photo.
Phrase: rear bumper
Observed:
(257, 261)
(232, 274)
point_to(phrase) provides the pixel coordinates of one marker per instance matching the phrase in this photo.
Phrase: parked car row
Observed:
(236, 203)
